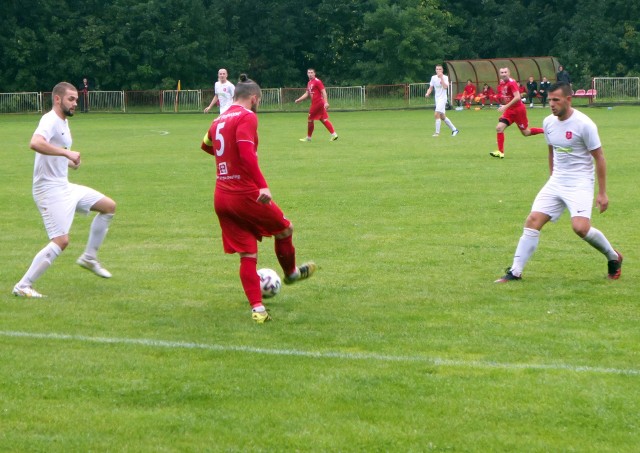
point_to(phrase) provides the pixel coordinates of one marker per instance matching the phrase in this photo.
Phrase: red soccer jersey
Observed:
(507, 90)
(233, 173)
(314, 88)
(469, 90)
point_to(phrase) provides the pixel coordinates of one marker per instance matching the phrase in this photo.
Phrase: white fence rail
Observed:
(104, 101)
(182, 101)
(30, 102)
(616, 89)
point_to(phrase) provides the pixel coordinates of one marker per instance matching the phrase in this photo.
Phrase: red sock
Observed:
(500, 137)
(310, 128)
(329, 126)
(250, 280)
(286, 253)
(536, 130)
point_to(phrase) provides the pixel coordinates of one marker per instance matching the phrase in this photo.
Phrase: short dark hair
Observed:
(246, 88)
(61, 89)
(564, 86)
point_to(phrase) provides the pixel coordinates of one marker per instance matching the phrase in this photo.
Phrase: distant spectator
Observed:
(468, 94)
(563, 75)
(83, 90)
(486, 93)
(544, 91)
(532, 90)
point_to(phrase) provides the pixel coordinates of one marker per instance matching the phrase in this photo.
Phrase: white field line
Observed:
(435, 361)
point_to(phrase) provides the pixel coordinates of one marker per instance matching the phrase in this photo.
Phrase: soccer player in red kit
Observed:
(242, 199)
(319, 106)
(512, 110)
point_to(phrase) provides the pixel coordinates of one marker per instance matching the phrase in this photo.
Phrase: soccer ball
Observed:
(270, 282)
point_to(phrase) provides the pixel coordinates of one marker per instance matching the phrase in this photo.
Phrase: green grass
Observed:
(401, 342)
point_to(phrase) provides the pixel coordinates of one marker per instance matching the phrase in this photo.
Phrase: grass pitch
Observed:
(401, 342)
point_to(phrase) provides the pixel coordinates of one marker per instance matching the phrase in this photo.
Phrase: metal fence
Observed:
(370, 97)
(20, 102)
(616, 89)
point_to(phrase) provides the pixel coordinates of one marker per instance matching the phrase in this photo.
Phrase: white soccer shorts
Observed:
(553, 198)
(58, 206)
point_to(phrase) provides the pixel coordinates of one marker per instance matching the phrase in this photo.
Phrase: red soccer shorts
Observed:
(517, 115)
(244, 221)
(318, 112)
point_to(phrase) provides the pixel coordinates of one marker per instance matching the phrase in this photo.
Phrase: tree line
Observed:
(151, 44)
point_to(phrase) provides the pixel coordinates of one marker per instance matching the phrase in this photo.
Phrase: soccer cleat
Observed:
(454, 133)
(334, 137)
(497, 154)
(304, 271)
(436, 135)
(26, 291)
(615, 268)
(508, 277)
(94, 266)
(306, 139)
(260, 316)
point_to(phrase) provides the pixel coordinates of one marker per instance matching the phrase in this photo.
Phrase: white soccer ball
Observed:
(270, 282)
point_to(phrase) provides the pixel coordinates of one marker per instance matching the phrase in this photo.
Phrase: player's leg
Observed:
(503, 123)
(579, 202)
(329, 126)
(41, 262)
(251, 285)
(527, 245)
(449, 123)
(105, 208)
(57, 208)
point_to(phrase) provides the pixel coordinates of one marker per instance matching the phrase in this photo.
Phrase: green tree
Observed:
(403, 40)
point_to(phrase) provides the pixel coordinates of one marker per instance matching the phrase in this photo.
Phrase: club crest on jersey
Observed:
(568, 134)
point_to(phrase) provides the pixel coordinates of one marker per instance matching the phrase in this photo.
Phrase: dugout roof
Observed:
(488, 71)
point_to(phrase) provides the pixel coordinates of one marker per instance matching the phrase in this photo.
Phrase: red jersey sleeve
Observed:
(247, 143)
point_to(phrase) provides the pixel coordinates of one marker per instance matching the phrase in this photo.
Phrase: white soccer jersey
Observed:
(225, 92)
(573, 140)
(52, 171)
(440, 91)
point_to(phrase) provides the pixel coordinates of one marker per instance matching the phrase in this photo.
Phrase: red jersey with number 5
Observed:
(236, 125)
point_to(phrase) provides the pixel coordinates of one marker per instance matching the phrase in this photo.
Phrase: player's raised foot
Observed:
(508, 277)
(306, 139)
(334, 137)
(94, 266)
(615, 268)
(497, 154)
(454, 133)
(260, 316)
(306, 270)
(26, 291)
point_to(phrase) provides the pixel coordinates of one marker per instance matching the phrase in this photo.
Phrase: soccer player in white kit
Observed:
(223, 92)
(441, 83)
(574, 146)
(58, 199)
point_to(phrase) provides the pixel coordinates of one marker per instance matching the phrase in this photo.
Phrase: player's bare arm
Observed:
(602, 201)
(39, 144)
(325, 99)
(303, 97)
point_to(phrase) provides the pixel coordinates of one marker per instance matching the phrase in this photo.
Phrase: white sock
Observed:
(526, 246)
(448, 122)
(41, 262)
(98, 232)
(598, 241)
(259, 309)
(438, 122)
